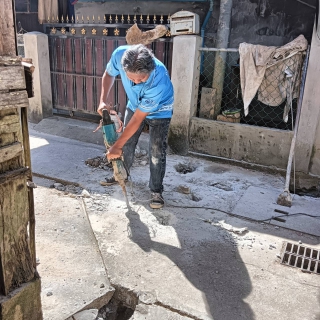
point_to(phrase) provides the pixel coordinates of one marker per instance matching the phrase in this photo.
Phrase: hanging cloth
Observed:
(47, 9)
(262, 70)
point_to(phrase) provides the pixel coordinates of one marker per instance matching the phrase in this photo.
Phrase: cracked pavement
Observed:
(198, 258)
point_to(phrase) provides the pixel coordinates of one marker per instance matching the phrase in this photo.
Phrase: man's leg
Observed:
(130, 146)
(158, 131)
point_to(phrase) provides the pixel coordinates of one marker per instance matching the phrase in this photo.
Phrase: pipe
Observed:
(222, 41)
(203, 29)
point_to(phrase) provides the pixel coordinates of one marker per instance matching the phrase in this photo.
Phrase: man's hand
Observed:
(114, 153)
(116, 150)
(102, 106)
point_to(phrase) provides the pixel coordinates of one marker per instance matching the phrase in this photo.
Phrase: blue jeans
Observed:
(158, 132)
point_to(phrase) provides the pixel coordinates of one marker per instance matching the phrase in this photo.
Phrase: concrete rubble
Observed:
(213, 251)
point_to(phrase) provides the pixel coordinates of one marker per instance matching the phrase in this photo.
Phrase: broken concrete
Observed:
(189, 259)
(260, 204)
(73, 274)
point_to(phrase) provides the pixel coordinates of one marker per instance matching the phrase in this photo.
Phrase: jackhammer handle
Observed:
(106, 119)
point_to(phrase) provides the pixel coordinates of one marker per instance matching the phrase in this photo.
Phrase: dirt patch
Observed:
(185, 168)
(121, 306)
(310, 192)
(115, 310)
(195, 198)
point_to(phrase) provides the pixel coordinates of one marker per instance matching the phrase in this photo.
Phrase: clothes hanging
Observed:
(47, 9)
(262, 70)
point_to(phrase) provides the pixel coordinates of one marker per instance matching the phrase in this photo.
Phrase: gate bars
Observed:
(79, 53)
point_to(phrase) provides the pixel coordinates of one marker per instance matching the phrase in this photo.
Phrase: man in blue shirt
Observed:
(150, 100)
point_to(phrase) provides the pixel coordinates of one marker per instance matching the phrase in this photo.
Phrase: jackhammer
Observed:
(110, 137)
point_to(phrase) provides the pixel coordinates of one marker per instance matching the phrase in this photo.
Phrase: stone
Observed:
(223, 118)
(136, 36)
(138, 152)
(147, 297)
(86, 315)
(85, 193)
(59, 186)
(184, 189)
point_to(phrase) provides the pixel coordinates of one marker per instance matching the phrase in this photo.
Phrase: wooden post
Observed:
(20, 285)
(8, 45)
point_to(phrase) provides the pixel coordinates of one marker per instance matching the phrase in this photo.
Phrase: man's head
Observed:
(138, 63)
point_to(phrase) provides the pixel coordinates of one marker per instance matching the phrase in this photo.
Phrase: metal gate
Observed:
(79, 53)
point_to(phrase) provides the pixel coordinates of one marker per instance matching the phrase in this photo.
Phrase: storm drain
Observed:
(298, 256)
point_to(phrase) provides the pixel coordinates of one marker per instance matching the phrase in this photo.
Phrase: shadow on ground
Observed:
(207, 265)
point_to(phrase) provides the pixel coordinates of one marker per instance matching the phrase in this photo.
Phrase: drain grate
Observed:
(298, 256)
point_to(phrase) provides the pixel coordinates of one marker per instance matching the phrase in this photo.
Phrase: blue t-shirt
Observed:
(154, 96)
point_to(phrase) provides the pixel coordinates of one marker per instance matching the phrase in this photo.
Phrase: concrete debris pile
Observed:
(99, 162)
(67, 189)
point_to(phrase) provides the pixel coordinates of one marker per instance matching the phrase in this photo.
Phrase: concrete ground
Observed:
(213, 251)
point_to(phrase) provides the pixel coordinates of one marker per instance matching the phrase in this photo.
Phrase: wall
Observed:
(308, 139)
(270, 22)
(266, 22)
(240, 142)
(139, 7)
(185, 80)
(315, 160)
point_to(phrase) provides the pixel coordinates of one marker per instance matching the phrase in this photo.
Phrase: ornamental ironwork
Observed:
(104, 25)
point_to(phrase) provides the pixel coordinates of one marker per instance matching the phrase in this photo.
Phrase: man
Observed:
(150, 100)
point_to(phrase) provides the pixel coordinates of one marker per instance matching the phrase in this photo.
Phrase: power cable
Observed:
(220, 210)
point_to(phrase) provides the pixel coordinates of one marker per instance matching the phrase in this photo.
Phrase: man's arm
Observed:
(116, 150)
(107, 82)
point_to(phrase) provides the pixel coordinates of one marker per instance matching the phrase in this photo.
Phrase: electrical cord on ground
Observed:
(223, 211)
(291, 215)
(236, 215)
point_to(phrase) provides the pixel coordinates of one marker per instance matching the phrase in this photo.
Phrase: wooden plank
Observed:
(15, 255)
(10, 165)
(10, 61)
(11, 175)
(10, 152)
(7, 138)
(27, 159)
(9, 128)
(28, 66)
(12, 78)
(26, 300)
(16, 99)
(7, 30)
(9, 119)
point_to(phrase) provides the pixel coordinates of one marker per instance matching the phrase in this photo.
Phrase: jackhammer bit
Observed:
(110, 137)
